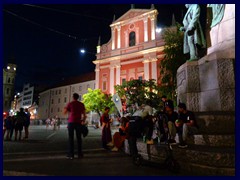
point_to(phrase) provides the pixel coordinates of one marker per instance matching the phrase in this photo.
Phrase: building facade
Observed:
(133, 52)
(25, 98)
(53, 101)
(9, 74)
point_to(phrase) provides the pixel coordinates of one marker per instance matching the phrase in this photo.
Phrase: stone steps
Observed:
(216, 122)
(205, 160)
(213, 140)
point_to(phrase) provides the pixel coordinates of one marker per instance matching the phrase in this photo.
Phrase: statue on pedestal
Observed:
(217, 13)
(193, 34)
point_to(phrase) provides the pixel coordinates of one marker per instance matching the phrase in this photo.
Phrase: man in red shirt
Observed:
(77, 117)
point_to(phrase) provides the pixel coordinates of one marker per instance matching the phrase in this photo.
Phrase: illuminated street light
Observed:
(158, 30)
(82, 51)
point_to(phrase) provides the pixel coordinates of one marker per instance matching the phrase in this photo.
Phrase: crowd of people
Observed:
(156, 125)
(54, 123)
(16, 124)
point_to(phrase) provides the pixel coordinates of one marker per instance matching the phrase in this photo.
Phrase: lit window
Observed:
(104, 85)
(132, 38)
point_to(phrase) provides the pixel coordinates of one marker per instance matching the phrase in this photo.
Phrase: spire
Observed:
(132, 6)
(152, 6)
(114, 18)
(173, 20)
(99, 41)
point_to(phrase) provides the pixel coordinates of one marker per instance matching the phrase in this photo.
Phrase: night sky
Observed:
(45, 39)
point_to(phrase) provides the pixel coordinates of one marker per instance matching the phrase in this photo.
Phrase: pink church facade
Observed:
(133, 52)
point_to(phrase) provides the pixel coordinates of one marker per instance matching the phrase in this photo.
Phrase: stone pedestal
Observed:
(208, 84)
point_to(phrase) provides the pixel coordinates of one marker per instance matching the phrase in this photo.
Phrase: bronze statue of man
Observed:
(193, 34)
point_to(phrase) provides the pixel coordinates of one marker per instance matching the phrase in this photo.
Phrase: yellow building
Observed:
(9, 74)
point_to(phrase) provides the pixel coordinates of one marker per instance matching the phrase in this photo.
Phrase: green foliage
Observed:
(173, 59)
(138, 91)
(96, 100)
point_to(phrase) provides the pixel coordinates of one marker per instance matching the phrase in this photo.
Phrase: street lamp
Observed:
(158, 30)
(83, 51)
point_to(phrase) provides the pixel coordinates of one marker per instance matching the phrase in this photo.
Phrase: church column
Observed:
(112, 80)
(145, 29)
(113, 38)
(153, 27)
(154, 69)
(118, 71)
(146, 69)
(97, 76)
(137, 36)
(119, 37)
(126, 38)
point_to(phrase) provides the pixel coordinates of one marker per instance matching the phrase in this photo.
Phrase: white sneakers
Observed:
(114, 149)
(110, 144)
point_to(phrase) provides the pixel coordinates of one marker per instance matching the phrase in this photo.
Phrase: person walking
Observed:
(106, 130)
(20, 120)
(27, 123)
(76, 120)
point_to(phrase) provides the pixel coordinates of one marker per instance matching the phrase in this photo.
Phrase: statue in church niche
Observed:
(193, 34)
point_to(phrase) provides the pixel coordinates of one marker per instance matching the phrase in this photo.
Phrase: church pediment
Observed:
(132, 13)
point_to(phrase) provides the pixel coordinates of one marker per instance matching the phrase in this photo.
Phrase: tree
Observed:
(173, 59)
(139, 91)
(96, 100)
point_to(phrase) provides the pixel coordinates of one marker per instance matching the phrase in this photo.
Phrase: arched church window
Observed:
(9, 80)
(132, 39)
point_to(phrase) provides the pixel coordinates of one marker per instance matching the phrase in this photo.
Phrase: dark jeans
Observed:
(132, 141)
(148, 124)
(77, 127)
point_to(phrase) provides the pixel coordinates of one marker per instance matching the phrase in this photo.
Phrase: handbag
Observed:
(84, 130)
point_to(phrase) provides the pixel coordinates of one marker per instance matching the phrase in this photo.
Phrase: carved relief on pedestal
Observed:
(193, 79)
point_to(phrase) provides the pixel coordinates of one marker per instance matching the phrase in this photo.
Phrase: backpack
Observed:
(135, 126)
